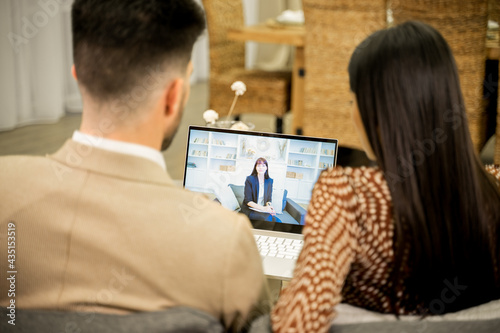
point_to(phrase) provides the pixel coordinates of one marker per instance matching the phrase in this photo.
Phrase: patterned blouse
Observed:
(347, 251)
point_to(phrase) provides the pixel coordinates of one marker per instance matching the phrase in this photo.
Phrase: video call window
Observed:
(218, 164)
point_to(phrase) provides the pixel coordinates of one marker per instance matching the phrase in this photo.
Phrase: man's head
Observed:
(129, 55)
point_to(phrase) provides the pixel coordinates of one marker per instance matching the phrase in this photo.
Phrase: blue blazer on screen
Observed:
(252, 190)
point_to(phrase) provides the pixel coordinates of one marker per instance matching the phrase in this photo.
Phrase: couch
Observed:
(291, 212)
(173, 320)
(483, 318)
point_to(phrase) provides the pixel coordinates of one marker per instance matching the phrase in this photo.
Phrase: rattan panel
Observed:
(463, 23)
(333, 30)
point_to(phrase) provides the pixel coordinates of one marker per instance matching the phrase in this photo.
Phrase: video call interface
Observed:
(219, 163)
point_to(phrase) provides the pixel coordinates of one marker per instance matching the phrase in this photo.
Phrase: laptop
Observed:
(218, 162)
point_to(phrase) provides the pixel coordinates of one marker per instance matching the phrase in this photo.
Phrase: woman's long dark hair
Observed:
(446, 206)
(261, 160)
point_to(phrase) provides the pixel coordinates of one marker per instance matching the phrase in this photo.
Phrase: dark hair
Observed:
(446, 206)
(116, 43)
(261, 160)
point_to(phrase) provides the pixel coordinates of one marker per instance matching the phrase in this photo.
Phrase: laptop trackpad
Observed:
(278, 268)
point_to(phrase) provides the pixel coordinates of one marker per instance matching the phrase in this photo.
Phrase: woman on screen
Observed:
(257, 203)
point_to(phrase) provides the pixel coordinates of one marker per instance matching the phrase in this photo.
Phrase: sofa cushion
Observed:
(287, 218)
(277, 199)
(239, 192)
(285, 193)
(228, 199)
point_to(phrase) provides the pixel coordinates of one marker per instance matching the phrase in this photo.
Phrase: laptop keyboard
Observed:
(278, 247)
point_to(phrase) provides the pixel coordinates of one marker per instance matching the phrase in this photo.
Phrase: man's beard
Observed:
(167, 140)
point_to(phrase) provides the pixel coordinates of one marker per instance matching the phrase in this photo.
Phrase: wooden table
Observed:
(293, 35)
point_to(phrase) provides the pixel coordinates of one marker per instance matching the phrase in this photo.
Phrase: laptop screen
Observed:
(222, 164)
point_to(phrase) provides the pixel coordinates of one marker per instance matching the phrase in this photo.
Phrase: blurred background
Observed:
(40, 105)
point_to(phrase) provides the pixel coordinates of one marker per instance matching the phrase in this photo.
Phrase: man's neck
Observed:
(140, 133)
(122, 147)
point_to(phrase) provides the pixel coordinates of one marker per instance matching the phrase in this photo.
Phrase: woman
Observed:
(418, 234)
(257, 203)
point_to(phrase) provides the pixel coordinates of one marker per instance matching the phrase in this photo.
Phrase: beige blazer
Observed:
(107, 232)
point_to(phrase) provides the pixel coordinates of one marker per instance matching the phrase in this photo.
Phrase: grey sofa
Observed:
(483, 318)
(262, 325)
(293, 213)
(178, 319)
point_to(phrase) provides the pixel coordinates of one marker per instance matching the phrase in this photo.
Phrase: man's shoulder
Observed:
(12, 159)
(200, 209)
(16, 164)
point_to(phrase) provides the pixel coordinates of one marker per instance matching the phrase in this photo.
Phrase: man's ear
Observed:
(173, 97)
(73, 72)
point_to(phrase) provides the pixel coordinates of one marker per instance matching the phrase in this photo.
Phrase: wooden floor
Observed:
(38, 139)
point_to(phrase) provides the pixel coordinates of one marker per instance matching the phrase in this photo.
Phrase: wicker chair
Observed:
(333, 29)
(494, 10)
(496, 156)
(267, 92)
(463, 23)
(494, 14)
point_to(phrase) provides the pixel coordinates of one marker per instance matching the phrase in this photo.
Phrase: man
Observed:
(99, 226)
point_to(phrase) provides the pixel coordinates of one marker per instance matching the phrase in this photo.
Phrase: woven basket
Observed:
(333, 30)
(463, 23)
(267, 92)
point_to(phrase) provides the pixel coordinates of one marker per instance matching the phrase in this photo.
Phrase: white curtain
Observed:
(36, 85)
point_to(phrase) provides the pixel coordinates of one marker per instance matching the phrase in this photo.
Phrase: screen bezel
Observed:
(261, 225)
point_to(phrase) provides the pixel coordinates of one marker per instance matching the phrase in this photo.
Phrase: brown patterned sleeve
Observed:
(330, 243)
